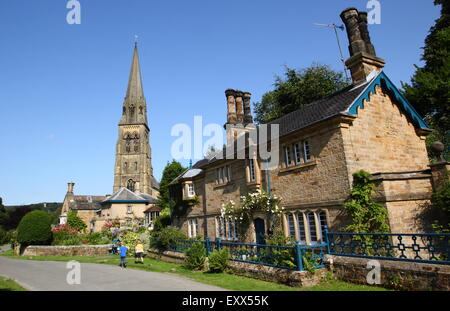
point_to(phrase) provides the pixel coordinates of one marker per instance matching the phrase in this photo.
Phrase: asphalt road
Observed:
(52, 276)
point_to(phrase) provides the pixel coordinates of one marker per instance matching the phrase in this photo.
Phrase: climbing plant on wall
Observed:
(255, 201)
(367, 216)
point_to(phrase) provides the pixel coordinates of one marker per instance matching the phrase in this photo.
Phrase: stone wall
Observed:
(76, 250)
(400, 275)
(260, 272)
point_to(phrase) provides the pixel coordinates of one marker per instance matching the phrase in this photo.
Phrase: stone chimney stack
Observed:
(239, 107)
(231, 104)
(239, 115)
(70, 187)
(363, 59)
(247, 110)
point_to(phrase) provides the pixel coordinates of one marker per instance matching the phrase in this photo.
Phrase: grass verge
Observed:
(7, 285)
(223, 280)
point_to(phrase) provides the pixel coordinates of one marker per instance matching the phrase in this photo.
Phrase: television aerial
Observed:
(335, 27)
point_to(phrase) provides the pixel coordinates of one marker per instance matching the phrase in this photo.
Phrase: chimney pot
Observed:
(231, 105)
(70, 186)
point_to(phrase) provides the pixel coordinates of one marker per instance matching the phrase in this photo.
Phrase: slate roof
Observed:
(126, 195)
(86, 202)
(320, 110)
(189, 173)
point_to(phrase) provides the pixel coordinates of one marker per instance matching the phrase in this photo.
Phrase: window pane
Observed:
(252, 169)
(287, 156)
(291, 225)
(323, 222)
(297, 154)
(301, 228)
(306, 151)
(312, 227)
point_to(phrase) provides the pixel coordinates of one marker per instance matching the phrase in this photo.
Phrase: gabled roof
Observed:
(343, 102)
(382, 80)
(124, 195)
(85, 202)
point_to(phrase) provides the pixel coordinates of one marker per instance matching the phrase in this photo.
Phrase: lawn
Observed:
(223, 280)
(9, 285)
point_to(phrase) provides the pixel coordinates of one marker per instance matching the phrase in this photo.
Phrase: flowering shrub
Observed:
(256, 201)
(64, 228)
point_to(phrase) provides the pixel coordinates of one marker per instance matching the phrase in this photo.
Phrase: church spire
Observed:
(134, 106)
(135, 89)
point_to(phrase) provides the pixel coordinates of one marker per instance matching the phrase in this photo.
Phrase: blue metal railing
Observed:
(420, 247)
(295, 257)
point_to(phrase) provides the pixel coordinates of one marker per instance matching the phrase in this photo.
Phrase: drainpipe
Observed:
(269, 191)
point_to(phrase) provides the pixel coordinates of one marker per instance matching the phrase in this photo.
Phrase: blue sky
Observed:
(62, 86)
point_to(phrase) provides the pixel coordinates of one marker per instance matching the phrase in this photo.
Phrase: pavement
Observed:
(52, 276)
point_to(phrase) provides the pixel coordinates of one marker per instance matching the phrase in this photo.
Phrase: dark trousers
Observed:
(123, 261)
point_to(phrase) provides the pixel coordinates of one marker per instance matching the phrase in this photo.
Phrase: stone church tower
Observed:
(133, 168)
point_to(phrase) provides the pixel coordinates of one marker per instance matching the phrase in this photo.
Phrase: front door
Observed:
(260, 231)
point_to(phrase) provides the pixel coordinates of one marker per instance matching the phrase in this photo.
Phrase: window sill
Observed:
(298, 167)
(217, 186)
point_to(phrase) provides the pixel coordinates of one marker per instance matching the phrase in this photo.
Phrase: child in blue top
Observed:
(123, 255)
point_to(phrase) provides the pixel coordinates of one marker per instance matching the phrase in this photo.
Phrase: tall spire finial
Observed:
(135, 40)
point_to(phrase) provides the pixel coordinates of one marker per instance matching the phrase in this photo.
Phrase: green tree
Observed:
(170, 172)
(297, 89)
(429, 91)
(75, 222)
(34, 228)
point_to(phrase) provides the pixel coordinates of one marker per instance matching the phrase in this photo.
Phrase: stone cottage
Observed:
(367, 126)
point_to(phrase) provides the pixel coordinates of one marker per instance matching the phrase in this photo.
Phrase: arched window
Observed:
(136, 142)
(130, 185)
(126, 167)
(141, 110)
(124, 110)
(131, 112)
(128, 143)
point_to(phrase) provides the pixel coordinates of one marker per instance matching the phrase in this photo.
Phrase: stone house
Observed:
(367, 126)
(124, 206)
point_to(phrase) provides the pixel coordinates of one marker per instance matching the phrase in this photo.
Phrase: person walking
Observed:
(139, 250)
(123, 255)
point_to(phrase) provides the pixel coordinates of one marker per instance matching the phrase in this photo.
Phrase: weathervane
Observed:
(334, 26)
